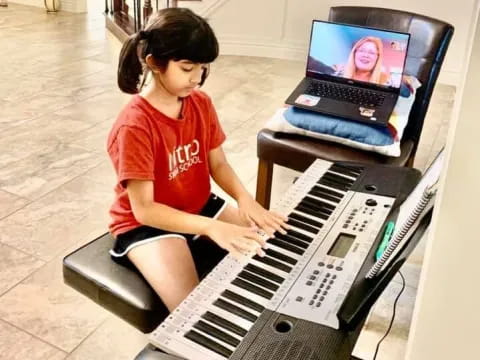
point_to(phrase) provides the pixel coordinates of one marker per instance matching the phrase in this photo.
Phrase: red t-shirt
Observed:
(145, 144)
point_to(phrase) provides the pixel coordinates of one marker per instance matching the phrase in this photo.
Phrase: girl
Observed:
(165, 146)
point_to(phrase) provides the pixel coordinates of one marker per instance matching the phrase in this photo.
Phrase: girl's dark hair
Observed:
(170, 34)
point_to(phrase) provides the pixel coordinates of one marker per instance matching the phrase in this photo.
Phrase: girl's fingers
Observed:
(246, 245)
(256, 237)
(278, 216)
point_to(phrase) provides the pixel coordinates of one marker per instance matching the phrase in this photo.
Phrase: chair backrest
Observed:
(429, 40)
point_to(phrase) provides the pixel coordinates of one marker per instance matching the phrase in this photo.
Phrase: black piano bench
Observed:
(119, 289)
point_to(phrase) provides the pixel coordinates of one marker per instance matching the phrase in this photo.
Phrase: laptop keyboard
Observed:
(346, 93)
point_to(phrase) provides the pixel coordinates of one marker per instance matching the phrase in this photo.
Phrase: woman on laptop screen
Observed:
(365, 62)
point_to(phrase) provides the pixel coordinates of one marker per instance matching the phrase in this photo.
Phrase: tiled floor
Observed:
(58, 99)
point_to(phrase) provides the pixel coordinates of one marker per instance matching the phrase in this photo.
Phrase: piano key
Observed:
(319, 203)
(208, 343)
(348, 171)
(225, 305)
(293, 237)
(252, 288)
(333, 184)
(339, 179)
(233, 296)
(272, 262)
(258, 280)
(247, 294)
(291, 240)
(305, 219)
(217, 333)
(285, 245)
(219, 321)
(268, 267)
(322, 195)
(320, 219)
(329, 191)
(302, 225)
(280, 256)
(318, 211)
(312, 211)
(265, 273)
(225, 314)
(285, 252)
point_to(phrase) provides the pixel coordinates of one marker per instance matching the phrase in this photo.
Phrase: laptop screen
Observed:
(357, 53)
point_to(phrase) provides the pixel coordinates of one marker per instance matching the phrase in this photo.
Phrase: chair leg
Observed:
(264, 182)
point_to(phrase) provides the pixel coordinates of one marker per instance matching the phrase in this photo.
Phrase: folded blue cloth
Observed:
(329, 125)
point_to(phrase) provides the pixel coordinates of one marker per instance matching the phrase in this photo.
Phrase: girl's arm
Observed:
(233, 238)
(252, 211)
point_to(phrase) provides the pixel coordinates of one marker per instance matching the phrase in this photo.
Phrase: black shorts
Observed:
(145, 234)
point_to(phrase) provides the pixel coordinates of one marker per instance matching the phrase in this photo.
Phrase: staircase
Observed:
(123, 17)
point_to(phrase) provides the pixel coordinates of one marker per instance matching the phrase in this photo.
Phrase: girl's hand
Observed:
(254, 214)
(238, 240)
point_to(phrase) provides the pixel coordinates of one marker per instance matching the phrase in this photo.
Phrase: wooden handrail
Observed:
(119, 21)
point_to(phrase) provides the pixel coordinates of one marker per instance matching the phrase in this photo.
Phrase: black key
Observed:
(258, 280)
(265, 273)
(299, 235)
(217, 320)
(225, 305)
(333, 184)
(346, 170)
(216, 333)
(286, 246)
(324, 196)
(280, 256)
(242, 300)
(319, 203)
(328, 191)
(302, 226)
(317, 208)
(305, 219)
(252, 288)
(209, 344)
(342, 180)
(292, 240)
(274, 263)
(310, 211)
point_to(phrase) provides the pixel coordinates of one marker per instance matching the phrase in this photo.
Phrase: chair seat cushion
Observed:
(383, 140)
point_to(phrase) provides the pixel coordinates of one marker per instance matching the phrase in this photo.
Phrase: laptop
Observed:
(353, 72)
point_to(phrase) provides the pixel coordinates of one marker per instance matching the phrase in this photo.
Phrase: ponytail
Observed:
(130, 68)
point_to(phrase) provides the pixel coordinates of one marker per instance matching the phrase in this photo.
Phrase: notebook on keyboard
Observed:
(352, 72)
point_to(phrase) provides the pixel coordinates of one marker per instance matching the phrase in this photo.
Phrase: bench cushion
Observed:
(119, 289)
(123, 290)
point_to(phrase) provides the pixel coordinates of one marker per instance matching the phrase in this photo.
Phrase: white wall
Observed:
(447, 316)
(281, 28)
(65, 5)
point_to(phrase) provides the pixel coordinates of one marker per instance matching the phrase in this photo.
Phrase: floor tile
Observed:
(45, 307)
(114, 339)
(9, 203)
(15, 266)
(76, 211)
(16, 344)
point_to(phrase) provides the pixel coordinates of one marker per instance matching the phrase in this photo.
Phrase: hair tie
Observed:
(144, 35)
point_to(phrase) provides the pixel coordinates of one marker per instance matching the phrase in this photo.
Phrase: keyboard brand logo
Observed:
(183, 157)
